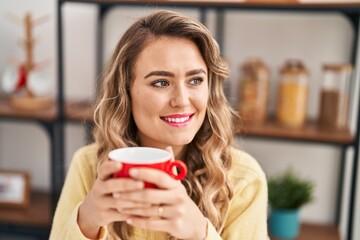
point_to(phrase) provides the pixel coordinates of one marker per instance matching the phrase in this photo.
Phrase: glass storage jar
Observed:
(253, 91)
(334, 100)
(291, 109)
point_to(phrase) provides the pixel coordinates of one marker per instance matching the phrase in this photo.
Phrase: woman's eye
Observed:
(196, 81)
(160, 83)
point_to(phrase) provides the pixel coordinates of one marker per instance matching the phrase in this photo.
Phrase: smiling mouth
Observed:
(182, 119)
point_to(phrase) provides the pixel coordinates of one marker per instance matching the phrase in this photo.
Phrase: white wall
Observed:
(274, 37)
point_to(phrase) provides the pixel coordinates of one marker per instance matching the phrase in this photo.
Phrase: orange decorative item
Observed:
(334, 101)
(253, 91)
(292, 94)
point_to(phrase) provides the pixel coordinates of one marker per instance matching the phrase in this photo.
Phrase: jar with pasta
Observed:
(334, 100)
(253, 91)
(291, 107)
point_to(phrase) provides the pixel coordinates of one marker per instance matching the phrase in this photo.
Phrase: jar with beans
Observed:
(253, 91)
(291, 107)
(334, 105)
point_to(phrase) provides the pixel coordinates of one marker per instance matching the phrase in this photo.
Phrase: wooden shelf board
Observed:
(74, 110)
(7, 111)
(319, 232)
(309, 231)
(83, 111)
(238, 3)
(36, 214)
(79, 111)
(310, 132)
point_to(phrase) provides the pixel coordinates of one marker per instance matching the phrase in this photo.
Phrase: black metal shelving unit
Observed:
(55, 125)
(21, 226)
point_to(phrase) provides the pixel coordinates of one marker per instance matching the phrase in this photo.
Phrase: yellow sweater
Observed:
(246, 219)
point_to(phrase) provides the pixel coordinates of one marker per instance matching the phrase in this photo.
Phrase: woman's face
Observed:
(169, 93)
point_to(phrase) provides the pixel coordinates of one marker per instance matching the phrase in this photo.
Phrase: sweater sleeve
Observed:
(247, 218)
(79, 180)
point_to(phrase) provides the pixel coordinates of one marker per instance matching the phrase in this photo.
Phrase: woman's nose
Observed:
(180, 97)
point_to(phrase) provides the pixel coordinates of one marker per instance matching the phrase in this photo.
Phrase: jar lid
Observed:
(294, 66)
(337, 67)
(253, 65)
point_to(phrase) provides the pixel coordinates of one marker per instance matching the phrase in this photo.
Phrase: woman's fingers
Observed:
(157, 177)
(157, 224)
(108, 184)
(107, 169)
(123, 205)
(159, 211)
(115, 185)
(153, 196)
(118, 185)
(113, 215)
(153, 211)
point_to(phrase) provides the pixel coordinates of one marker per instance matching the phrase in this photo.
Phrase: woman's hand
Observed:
(171, 211)
(101, 207)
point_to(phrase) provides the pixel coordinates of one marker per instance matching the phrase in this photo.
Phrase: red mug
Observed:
(131, 157)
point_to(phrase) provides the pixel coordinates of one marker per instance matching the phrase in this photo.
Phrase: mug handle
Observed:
(179, 164)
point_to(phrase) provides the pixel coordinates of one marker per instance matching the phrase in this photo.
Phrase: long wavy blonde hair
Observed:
(208, 156)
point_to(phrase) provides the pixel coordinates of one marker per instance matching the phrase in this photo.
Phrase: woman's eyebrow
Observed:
(169, 74)
(160, 73)
(195, 71)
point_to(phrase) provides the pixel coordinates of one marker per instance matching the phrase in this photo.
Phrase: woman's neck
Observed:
(179, 152)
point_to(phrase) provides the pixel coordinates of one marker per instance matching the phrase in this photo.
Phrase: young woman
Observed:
(163, 88)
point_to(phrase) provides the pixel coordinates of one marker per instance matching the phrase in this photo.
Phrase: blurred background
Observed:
(274, 37)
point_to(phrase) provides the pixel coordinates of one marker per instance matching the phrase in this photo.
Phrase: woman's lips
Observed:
(178, 120)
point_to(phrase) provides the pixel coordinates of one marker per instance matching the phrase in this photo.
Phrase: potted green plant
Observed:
(287, 194)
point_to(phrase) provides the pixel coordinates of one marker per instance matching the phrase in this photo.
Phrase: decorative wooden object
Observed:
(27, 100)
